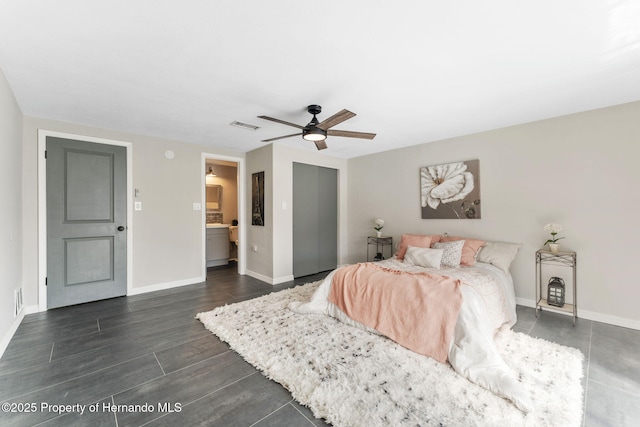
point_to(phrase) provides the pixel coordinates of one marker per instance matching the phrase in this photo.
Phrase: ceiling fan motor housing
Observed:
(311, 132)
(314, 109)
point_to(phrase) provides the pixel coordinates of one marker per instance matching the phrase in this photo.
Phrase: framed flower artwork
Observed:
(451, 191)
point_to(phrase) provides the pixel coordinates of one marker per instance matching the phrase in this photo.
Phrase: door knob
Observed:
(121, 228)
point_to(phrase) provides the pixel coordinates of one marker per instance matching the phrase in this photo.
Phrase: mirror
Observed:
(214, 197)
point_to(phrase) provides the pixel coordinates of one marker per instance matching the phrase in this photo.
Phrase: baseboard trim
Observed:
(269, 280)
(590, 315)
(260, 277)
(283, 279)
(166, 285)
(11, 332)
(30, 309)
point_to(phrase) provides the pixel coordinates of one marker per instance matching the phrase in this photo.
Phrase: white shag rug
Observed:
(354, 378)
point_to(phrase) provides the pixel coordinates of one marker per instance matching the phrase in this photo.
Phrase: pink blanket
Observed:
(417, 310)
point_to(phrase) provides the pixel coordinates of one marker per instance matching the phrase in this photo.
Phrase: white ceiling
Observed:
(414, 71)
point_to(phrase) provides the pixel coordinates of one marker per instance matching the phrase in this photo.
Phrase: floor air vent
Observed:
(17, 302)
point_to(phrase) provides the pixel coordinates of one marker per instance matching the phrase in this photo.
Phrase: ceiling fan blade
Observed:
(281, 121)
(336, 119)
(281, 137)
(350, 134)
(320, 145)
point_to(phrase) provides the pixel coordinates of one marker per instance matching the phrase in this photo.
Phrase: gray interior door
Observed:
(86, 222)
(315, 219)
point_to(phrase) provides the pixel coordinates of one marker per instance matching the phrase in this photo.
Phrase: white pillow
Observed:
(452, 252)
(423, 257)
(500, 254)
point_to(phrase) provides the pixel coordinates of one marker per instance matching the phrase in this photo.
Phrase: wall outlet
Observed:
(137, 206)
(196, 207)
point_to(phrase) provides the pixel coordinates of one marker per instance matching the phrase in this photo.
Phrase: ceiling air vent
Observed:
(243, 125)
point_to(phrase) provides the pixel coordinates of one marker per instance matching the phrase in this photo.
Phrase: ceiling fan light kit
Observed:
(317, 131)
(314, 134)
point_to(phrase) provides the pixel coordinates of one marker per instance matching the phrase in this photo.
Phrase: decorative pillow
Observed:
(469, 250)
(500, 254)
(416, 240)
(452, 252)
(423, 257)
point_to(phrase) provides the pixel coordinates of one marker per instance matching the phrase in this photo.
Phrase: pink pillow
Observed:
(469, 250)
(415, 240)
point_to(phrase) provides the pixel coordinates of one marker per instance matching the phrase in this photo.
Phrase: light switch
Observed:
(284, 206)
(137, 206)
(196, 207)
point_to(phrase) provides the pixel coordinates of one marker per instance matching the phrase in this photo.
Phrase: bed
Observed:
(479, 299)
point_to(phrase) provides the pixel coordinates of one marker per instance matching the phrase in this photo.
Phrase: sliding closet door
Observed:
(315, 219)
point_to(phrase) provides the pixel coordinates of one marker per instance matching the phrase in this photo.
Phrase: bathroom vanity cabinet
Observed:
(217, 245)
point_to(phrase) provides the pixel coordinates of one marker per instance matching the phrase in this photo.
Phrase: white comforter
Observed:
(488, 305)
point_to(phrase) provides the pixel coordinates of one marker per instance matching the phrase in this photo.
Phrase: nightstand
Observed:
(562, 258)
(381, 245)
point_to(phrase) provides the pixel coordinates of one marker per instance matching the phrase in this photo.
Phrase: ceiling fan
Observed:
(318, 131)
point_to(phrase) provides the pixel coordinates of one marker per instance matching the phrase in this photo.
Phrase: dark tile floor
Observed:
(149, 351)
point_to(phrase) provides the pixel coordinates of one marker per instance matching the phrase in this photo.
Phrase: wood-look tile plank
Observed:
(80, 313)
(86, 389)
(306, 412)
(134, 331)
(287, 416)
(189, 353)
(99, 418)
(20, 359)
(186, 308)
(242, 403)
(23, 381)
(183, 386)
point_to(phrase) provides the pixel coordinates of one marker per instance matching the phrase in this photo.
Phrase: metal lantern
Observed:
(555, 292)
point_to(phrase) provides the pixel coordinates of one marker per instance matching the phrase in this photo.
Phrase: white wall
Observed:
(167, 233)
(11, 212)
(579, 170)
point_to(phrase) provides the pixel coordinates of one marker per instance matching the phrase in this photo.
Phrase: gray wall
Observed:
(11, 212)
(167, 233)
(260, 261)
(580, 171)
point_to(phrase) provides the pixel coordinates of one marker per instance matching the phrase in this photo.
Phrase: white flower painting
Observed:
(450, 190)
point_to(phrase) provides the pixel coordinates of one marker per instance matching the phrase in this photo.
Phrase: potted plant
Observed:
(553, 229)
(379, 223)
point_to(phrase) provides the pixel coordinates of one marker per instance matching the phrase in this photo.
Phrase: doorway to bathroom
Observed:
(223, 211)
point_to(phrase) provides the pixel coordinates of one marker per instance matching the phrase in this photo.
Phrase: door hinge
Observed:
(45, 154)
(46, 281)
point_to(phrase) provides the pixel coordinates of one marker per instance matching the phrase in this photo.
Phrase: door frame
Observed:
(42, 206)
(242, 191)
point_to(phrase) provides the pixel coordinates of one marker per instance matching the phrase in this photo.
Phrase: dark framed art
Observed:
(257, 198)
